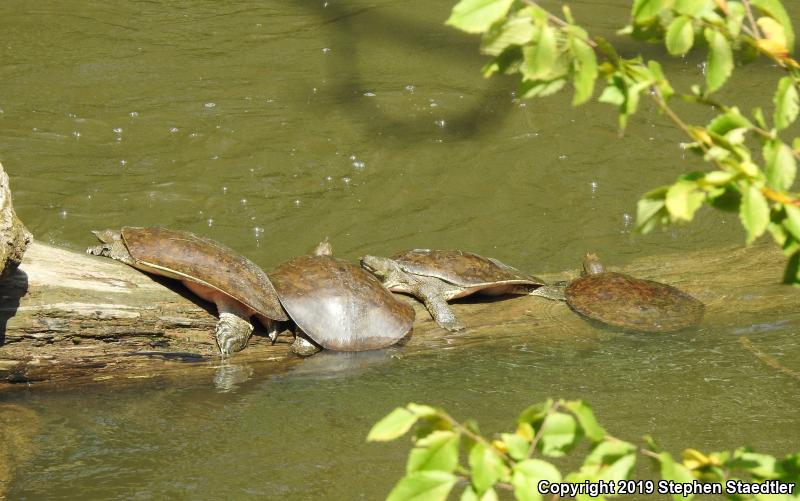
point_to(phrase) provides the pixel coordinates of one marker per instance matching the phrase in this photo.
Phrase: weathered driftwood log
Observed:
(67, 318)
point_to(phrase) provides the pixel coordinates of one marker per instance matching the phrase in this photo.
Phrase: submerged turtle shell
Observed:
(339, 305)
(185, 256)
(632, 303)
(461, 268)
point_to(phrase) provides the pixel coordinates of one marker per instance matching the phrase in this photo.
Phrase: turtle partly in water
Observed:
(216, 273)
(338, 306)
(626, 302)
(437, 276)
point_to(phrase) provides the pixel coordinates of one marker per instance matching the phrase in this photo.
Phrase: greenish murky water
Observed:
(270, 125)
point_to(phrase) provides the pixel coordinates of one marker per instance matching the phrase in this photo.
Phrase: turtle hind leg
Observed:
(435, 302)
(232, 332)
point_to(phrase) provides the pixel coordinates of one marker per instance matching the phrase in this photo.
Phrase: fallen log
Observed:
(67, 318)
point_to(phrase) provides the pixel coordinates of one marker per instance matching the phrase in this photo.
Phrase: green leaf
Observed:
(486, 467)
(720, 59)
(646, 10)
(774, 8)
(540, 58)
(526, 475)
(781, 165)
(585, 68)
(535, 413)
(591, 428)
(791, 275)
(680, 36)
(611, 460)
(694, 8)
(516, 445)
(507, 62)
(476, 16)
(670, 470)
(516, 31)
(792, 221)
(559, 434)
(469, 494)
(754, 213)
(651, 210)
(735, 17)
(787, 103)
(728, 121)
(613, 94)
(394, 425)
(683, 200)
(437, 451)
(540, 88)
(423, 486)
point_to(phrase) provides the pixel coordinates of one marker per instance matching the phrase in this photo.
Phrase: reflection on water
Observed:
(270, 126)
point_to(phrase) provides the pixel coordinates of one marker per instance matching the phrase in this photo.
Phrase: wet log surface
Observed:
(68, 318)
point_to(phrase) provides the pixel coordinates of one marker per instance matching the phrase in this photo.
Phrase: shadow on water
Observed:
(12, 289)
(373, 24)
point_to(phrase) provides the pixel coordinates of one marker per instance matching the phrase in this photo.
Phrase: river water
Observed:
(271, 125)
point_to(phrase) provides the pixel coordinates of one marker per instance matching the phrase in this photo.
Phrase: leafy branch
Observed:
(549, 51)
(554, 429)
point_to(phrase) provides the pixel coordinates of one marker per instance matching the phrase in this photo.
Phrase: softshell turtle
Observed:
(629, 303)
(339, 306)
(216, 273)
(437, 276)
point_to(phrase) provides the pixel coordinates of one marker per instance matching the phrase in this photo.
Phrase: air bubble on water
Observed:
(326, 50)
(63, 214)
(433, 104)
(215, 157)
(210, 222)
(194, 134)
(353, 158)
(224, 190)
(593, 185)
(369, 94)
(324, 5)
(523, 105)
(118, 130)
(346, 180)
(123, 162)
(133, 114)
(297, 202)
(243, 201)
(562, 157)
(410, 88)
(258, 231)
(329, 178)
(627, 220)
(209, 105)
(76, 134)
(35, 129)
(702, 67)
(440, 123)
(258, 25)
(359, 165)
(173, 129)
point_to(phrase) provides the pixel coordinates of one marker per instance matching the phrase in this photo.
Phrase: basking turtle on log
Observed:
(438, 276)
(216, 273)
(338, 306)
(626, 302)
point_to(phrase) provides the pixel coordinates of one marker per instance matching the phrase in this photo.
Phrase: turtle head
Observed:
(323, 248)
(108, 236)
(592, 264)
(384, 268)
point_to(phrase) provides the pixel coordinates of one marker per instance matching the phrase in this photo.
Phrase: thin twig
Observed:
(752, 19)
(472, 436)
(768, 360)
(557, 20)
(538, 435)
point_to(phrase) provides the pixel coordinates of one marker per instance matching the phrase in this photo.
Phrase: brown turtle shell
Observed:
(461, 268)
(339, 305)
(186, 256)
(631, 303)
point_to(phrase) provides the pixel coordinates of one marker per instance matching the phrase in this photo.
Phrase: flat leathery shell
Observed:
(184, 255)
(461, 268)
(339, 305)
(632, 303)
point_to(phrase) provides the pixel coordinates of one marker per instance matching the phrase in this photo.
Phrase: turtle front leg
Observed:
(302, 346)
(233, 332)
(435, 302)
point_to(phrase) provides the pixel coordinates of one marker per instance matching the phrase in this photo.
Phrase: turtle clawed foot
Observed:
(232, 333)
(452, 325)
